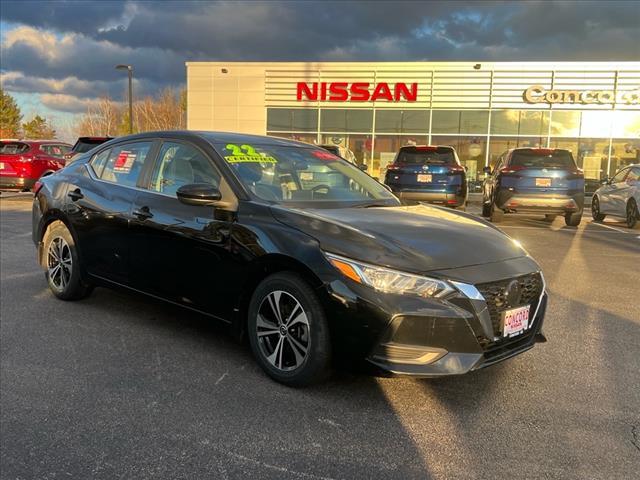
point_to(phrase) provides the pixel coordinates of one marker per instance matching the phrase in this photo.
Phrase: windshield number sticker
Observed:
(246, 154)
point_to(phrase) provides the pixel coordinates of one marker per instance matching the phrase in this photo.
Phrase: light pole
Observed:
(129, 69)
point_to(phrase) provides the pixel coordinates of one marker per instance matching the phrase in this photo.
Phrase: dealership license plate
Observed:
(515, 321)
(424, 177)
(543, 182)
(1, 166)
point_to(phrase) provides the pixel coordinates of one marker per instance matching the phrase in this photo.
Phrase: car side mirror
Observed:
(198, 194)
(487, 170)
(606, 180)
(363, 167)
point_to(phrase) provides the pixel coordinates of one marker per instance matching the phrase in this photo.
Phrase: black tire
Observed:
(297, 355)
(62, 263)
(632, 213)
(572, 219)
(486, 210)
(550, 218)
(595, 209)
(496, 215)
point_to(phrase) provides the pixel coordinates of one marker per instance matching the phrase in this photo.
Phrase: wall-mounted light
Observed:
(477, 66)
(224, 70)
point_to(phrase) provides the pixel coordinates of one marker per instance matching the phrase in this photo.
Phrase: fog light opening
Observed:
(408, 354)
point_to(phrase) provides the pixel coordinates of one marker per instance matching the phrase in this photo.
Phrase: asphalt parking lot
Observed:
(118, 386)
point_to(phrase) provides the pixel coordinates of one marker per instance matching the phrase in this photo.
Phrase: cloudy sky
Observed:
(58, 56)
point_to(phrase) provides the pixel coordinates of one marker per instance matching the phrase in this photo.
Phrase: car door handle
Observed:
(142, 213)
(75, 194)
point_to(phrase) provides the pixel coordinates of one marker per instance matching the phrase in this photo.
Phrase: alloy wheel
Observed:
(282, 329)
(59, 263)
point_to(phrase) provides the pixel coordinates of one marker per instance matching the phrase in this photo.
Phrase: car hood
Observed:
(410, 238)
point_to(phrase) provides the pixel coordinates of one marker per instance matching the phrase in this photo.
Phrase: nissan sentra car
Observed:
(315, 275)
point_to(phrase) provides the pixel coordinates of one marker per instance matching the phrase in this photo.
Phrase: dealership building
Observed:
(481, 109)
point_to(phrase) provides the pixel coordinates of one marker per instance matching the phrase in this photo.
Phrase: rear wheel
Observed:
(62, 264)
(288, 330)
(632, 213)
(572, 219)
(595, 210)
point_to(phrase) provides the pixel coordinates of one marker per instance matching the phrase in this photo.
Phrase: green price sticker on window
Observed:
(246, 154)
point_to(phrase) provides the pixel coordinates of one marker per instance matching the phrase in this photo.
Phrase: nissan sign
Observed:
(356, 92)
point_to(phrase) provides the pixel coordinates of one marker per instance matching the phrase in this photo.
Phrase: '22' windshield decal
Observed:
(246, 153)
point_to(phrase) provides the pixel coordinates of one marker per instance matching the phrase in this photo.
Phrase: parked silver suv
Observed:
(619, 196)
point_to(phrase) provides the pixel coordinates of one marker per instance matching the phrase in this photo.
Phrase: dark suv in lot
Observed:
(534, 181)
(428, 173)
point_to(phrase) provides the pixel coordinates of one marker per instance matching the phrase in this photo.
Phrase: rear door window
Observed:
(13, 148)
(125, 163)
(426, 156)
(542, 159)
(634, 175)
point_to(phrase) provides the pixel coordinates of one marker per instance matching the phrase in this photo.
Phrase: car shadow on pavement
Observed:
(143, 388)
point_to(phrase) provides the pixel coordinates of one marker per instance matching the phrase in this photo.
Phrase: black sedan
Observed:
(298, 250)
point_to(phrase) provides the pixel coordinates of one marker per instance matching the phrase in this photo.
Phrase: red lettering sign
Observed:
(356, 92)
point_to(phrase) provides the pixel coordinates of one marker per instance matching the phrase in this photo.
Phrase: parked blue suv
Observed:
(534, 181)
(428, 174)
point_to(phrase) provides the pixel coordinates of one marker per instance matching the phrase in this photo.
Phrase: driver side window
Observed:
(619, 177)
(181, 164)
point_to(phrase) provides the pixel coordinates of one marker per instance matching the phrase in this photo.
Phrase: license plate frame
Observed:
(543, 182)
(424, 178)
(515, 321)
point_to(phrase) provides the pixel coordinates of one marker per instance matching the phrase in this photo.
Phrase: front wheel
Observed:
(62, 263)
(572, 219)
(632, 213)
(288, 330)
(597, 215)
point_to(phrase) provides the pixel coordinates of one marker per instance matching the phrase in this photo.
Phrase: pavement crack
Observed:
(635, 436)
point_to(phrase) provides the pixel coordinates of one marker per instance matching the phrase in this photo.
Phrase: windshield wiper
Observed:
(371, 205)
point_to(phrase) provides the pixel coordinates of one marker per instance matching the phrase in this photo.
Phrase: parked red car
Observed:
(23, 162)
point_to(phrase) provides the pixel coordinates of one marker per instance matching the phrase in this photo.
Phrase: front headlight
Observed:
(390, 281)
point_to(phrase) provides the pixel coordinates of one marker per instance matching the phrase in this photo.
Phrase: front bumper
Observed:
(16, 183)
(437, 337)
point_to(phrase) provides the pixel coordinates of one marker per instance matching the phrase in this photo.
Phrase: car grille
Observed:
(497, 298)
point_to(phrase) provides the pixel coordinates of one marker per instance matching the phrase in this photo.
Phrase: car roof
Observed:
(433, 146)
(540, 148)
(212, 137)
(36, 142)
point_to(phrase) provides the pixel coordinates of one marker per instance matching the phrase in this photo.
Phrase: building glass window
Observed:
(505, 122)
(533, 123)
(499, 145)
(474, 121)
(626, 124)
(402, 121)
(292, 119)
(345, 120)
(595, 123)
(445, 121)
(565, 123)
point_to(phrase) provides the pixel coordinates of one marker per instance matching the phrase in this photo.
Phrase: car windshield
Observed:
(11, 148)
(291, 174)
(542, 159)
(426, 156)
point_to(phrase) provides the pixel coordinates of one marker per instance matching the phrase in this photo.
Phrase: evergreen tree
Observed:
(38, 128)
(10, 116)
